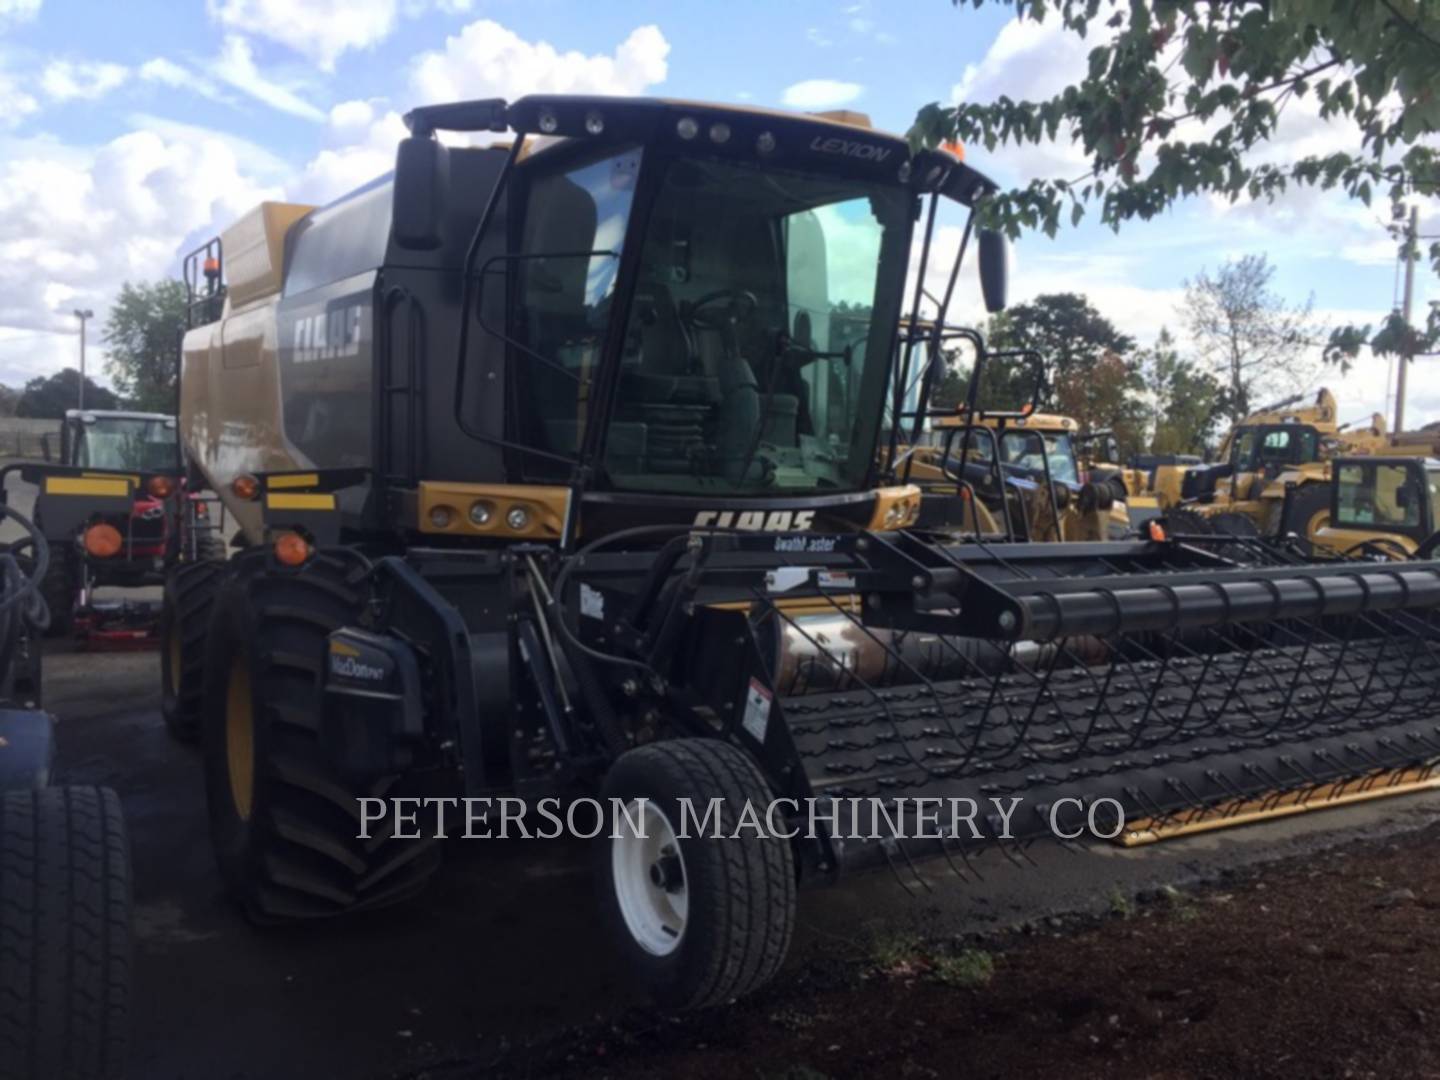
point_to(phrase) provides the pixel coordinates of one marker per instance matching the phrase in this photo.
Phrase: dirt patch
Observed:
(1316, 967)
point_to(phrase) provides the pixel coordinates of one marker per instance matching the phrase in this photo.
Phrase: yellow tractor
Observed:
(1014, 474)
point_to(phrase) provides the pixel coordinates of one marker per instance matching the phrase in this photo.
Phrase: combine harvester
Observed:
(561, 470)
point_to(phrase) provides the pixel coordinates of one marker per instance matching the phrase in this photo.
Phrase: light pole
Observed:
(82, 314)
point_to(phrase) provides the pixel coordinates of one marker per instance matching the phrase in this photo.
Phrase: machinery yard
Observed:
(374, 997)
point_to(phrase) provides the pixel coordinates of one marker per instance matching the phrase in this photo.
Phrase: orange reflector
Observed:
(955, 148)
(245, 486)
(212, 267)
(1027, 409)
(103, 541)
(160, 486)
(291, 549)
(1157, 531)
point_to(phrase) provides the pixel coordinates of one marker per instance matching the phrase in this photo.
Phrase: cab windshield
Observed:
(1030, 449)
(755, 345)
(115, 442)
(1387, 496)
(1259, 448)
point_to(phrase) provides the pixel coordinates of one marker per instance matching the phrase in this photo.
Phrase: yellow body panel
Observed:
(80, 485)
(254, 250)
(547, 508)
(294, 480)
(299, 502)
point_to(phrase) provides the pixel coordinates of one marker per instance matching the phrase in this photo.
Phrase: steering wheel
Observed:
(1388, 550)
(742, 304)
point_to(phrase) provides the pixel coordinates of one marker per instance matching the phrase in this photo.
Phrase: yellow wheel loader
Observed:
(561, 473)
(1273, 474)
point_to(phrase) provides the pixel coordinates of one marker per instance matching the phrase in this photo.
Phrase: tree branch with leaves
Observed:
(1182, 96)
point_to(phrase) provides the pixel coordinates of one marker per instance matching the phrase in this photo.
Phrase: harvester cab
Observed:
(561, 471)
(113, 508)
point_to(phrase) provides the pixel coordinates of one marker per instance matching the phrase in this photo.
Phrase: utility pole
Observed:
(1410, 251)
(82, 314)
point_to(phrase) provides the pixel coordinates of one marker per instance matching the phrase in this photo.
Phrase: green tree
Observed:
(1181, 96)
(1251, 339)
(1184, 399)
(1077, 357)
(142, 333)
(48, 396)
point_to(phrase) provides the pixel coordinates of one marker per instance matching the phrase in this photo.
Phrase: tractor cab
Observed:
(1033, 458)
(103, 439)
(1386, 507)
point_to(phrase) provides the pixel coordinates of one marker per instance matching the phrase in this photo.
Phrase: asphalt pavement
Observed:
(504, 947)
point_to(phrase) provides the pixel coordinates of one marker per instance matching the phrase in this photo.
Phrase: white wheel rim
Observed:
(648, 875)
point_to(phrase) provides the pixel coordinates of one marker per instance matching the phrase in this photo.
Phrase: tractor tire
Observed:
(732, 928)
(284, 822)
(189, 598)
(64, 934)
(1309, 510)
(1187, 523)
(1231, 524)
(210, 547)
(60, 587)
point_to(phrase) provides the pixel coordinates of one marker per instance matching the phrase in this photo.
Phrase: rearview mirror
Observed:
(994, 269)
(45, 446)
(422, 171)
(1110, 447)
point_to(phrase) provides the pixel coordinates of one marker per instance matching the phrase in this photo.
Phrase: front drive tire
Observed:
(64, 934)
(184, 619)
(283, 821)
(698, 920)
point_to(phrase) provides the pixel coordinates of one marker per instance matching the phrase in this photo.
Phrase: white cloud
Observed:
(15, 103)
(236, 66)
(66, 80)
(322, 30)
(362, 143)
(18, 11)
(168, 73)
(821, 94)
(818, 37)
(76, 223)
(488, 60)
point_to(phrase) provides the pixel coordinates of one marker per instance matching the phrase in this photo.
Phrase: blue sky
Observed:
(127, 131)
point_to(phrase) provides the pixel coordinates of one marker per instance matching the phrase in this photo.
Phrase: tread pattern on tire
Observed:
(190, 598)
(210, 547)
(64, 934)
(755, 910)
(309, 861)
